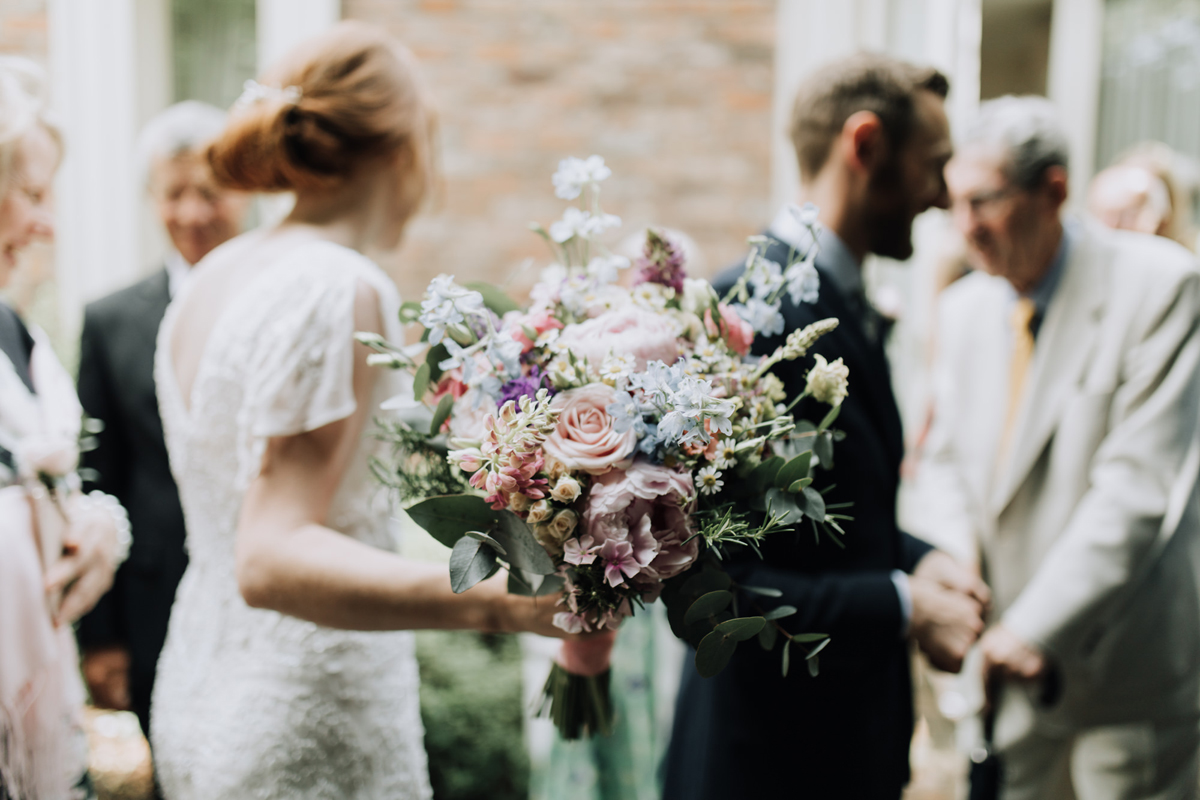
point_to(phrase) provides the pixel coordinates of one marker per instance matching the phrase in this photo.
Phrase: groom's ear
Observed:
(862, 143)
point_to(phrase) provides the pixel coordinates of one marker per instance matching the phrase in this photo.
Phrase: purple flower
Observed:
(619, 563)
(526, 386)
(661, 261)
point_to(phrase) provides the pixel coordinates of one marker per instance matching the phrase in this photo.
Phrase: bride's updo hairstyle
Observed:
(344, 98)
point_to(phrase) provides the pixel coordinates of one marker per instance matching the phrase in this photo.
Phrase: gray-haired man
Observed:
(122, 637)
(1063, 450)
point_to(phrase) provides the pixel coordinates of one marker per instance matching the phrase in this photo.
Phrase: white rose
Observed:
(564, 524)
(566, 490)
(538, 512)
(827, 382)
(519, 503)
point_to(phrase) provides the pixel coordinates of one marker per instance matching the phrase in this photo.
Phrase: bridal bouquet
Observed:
(610, 442)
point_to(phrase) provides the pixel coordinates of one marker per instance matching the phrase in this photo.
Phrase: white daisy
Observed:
(708, 480)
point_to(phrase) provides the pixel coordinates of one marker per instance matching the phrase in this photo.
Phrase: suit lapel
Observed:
(1062, 353)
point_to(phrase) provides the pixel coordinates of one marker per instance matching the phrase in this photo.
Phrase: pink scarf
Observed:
(42, 748)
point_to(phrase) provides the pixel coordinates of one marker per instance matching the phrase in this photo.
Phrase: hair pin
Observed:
(254, 92)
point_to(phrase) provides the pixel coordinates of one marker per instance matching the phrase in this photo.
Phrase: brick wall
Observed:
(675, 94)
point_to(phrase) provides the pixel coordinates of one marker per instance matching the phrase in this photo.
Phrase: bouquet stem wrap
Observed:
(576, 696)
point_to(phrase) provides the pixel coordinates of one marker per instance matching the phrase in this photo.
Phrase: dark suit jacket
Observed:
(116, 385)
(749, 732)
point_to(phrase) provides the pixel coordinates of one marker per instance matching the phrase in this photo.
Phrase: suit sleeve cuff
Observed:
(904, 592)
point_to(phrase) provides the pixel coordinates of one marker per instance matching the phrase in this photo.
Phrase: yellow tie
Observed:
(1022, 354)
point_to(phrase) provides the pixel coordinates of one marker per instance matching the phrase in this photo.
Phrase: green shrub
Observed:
(472, 708)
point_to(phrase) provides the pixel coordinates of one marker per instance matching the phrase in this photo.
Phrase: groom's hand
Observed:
(948, 572)
(945, 622)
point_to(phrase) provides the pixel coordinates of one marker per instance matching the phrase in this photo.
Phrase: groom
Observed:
(871, 137)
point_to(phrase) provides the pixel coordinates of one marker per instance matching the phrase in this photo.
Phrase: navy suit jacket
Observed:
(116, 385)
(749, 732)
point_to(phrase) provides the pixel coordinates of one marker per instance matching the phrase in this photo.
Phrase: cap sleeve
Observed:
(302, 375)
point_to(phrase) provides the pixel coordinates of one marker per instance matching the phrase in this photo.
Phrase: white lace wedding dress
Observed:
(251, 703)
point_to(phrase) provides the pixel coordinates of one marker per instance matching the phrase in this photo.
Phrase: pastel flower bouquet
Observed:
(611, 442)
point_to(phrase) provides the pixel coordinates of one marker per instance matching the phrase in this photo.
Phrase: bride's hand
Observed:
(85, 572)
(511, 613)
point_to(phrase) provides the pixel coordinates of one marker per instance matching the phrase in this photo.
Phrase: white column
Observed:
(282, 24)
(93, 80)
(1076, 46)
(285, 23)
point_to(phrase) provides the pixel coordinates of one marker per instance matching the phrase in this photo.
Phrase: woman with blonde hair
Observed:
(58, 547)
(288, 669)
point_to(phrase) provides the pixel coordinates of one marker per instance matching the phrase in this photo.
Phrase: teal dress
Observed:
(624, 765)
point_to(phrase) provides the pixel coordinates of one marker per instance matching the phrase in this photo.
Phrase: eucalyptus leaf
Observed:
(823, 448)
(707, 605)
(741, 628)
(521, 584)
(439, 416)
(762, 591)
(800, 485)
(804, 638)
(470, 563)
(763, 475)
(787, 656)
(494, 297)
(489, 541)
(421, 381)
(793, 470)
(785, 504)
(780, 612)
(436, 355)
(814, 666)
(813, 504)
(448, 517)
(812, 653)
(709, 580)
(522, 548)
(830, 417)
(768, 636)
(714, 653)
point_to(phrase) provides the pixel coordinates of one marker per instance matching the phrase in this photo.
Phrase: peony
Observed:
(468, 415)
(828, 382)
(584, 437)
(649, 506)
(736, 332)
(629, 330)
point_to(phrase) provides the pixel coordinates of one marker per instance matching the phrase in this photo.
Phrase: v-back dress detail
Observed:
(250, 703)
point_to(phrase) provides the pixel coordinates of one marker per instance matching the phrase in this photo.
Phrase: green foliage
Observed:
(417, 468)
(471, 561)
(473, 713)
(447, 518)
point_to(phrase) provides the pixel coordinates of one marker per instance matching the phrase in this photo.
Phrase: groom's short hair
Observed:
(884, 86)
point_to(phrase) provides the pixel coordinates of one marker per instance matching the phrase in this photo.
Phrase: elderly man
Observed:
(122, 637)
(871, 138)
(1064, 449)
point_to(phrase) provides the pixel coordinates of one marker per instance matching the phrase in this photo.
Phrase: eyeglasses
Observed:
(985, 203)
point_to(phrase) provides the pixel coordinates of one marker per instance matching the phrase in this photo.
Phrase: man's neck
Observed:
(831, 195)
(1041, 259)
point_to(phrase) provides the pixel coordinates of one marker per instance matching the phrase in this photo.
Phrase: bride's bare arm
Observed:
(289, 561)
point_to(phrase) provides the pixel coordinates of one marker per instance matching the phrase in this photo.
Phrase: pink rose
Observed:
(736, 332)
(645, 498)
(630, 330)
(584, 438)
(540, 320)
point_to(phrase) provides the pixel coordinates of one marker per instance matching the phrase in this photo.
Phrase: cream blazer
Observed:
(1088, 530)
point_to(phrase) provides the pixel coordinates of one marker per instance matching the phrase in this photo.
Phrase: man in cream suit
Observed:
(1064, 453)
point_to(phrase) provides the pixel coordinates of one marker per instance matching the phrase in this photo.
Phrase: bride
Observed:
(288, 670)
